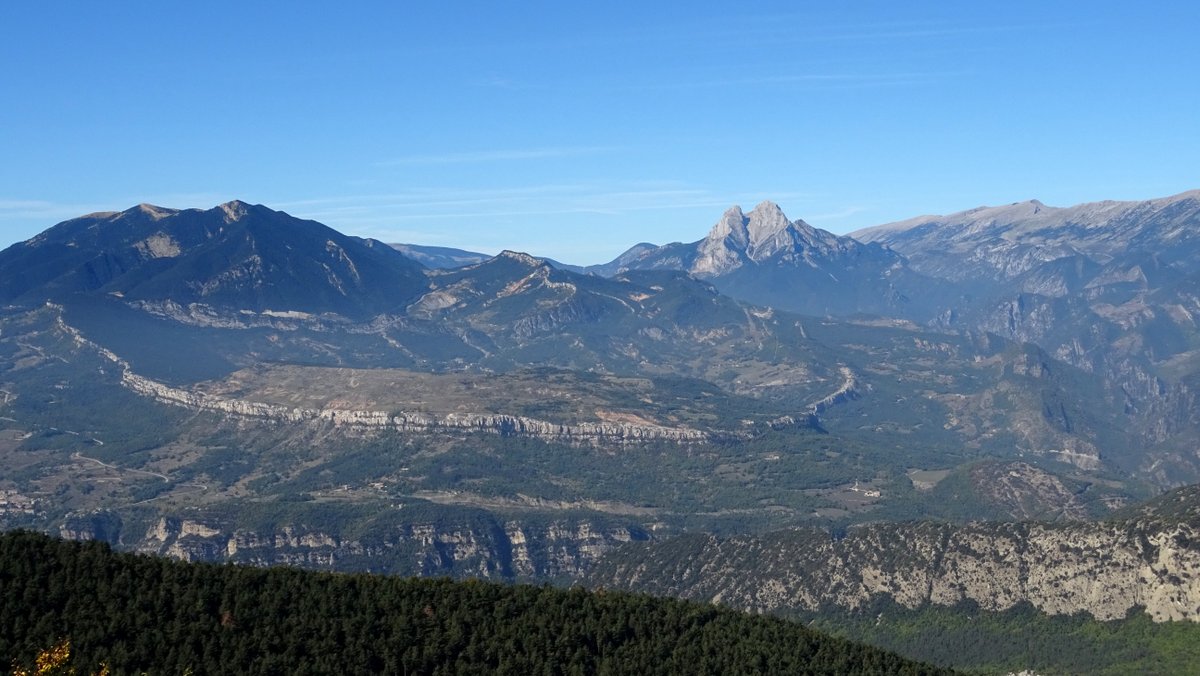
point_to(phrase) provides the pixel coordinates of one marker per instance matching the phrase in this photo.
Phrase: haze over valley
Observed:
(600, 339)
(237, 384)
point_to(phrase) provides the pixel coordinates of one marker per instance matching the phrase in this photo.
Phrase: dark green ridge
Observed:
(146, 614)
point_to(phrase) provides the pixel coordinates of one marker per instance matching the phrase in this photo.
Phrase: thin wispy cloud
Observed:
(497, 203)
(783, 30)
(494, 156)
(394, 216)
(839, 214)
(885, 32)
(433, 197)
(586, 222)
(737, 32)
(504, 83)
(436, 215)
(21, 219)
(25, 210)
(14, 209)
(770, 36)
(187, 200)
(810, 81)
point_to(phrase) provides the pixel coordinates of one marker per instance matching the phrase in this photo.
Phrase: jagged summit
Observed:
(235, 210)
(765, 221)
(744, 230)
(762, 234)
(731, 225)
(763, 257)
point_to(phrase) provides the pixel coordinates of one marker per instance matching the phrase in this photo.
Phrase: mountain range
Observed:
(1111, 287)
(238, 384)
(1004, 243)
(1104, 304)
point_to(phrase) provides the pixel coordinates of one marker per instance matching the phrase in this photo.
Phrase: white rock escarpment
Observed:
(409, 421)
(1105, 569)
(400, 421)
(512, 550)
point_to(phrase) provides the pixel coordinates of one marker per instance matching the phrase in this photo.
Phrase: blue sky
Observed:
(575, 132)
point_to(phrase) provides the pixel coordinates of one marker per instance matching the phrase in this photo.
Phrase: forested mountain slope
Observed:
(142, 614)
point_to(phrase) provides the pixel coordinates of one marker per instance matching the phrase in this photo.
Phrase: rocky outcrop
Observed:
(765, 259)
(510, 550)
(762, 236)
(764, 233)
(410, 422)
(562, 548)
(1105, 569)
(847, 391)
(97, 525)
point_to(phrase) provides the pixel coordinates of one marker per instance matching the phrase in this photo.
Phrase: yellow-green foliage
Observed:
(54, 661)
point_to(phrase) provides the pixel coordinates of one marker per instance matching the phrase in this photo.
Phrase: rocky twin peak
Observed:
(766, 259)
(750, 230)
(758, 236)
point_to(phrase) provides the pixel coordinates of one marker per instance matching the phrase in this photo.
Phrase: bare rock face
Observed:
(562, 548)
(739, 239)
(509, 550)
(763, 258)
(1106, 569)
(723, 249)
(101, 525)
(765, 222)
